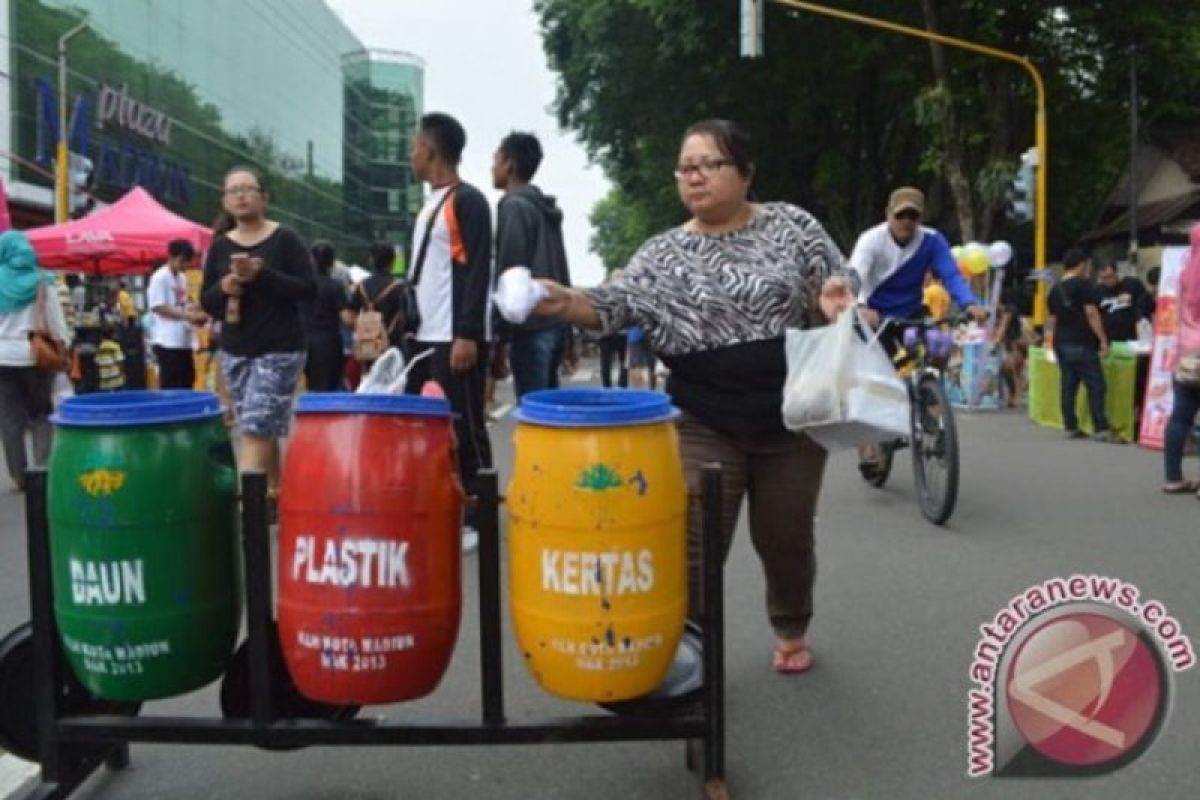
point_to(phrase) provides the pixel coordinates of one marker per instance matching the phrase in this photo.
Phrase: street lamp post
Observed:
(62, 156)
(1040, 137)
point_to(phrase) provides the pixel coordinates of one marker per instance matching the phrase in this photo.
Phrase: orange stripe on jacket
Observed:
(458, 250)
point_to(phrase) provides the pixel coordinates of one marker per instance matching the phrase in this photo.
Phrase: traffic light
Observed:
(1023, 189)
(752, 28)
(79, 181)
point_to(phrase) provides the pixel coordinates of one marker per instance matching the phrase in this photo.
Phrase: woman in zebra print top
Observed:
(714, 297)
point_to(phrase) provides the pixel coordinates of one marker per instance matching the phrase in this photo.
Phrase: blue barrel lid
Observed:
(136, 408)
(347, 403)
(588, 408)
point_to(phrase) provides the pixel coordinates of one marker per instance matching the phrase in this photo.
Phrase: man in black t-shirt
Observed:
(1079, 343)
(1122, 301)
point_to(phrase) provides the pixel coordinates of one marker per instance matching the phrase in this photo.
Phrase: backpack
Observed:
(371, 336)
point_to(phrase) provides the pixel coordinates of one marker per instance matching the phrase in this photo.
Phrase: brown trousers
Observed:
(781, 473)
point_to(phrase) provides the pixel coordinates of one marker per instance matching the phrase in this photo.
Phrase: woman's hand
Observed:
(835, 297)
(247, 269)
(231, 284)
(555, 303)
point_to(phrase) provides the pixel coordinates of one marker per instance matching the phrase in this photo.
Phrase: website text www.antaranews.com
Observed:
(1038, 598)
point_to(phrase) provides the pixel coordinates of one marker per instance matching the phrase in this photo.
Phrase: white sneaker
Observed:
(470, 539)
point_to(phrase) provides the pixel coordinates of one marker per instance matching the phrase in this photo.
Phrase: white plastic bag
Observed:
(841, 388)
(517, 293)
(389, 373)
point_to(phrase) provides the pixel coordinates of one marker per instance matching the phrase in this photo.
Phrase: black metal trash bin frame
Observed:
(71, 748)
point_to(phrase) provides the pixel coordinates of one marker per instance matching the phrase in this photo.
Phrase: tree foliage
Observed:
(840, 114)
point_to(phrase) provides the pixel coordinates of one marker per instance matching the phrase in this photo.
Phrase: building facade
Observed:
(169, 94)
(384, 93)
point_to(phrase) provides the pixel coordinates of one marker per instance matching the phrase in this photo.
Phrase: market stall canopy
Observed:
(129, 236)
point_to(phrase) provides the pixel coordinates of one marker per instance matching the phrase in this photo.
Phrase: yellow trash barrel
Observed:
(597, 541)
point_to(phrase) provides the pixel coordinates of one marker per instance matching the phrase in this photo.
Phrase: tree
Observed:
(618, 228)
(841, 114)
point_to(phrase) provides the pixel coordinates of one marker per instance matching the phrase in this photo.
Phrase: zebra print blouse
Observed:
(692, 292)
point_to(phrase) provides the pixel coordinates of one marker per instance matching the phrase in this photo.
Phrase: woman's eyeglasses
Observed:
(707, 168)
(242, 191)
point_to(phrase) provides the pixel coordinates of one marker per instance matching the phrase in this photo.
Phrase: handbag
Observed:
(49, 354)
(407, 289)
(1187, 369)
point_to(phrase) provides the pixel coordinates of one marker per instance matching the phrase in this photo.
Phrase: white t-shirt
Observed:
(171, 290)
(435, 290)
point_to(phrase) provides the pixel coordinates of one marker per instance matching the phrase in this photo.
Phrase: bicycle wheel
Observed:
(934, 450)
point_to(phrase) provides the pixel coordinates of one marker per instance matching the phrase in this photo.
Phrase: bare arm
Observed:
(1093, 318)
(567, 304)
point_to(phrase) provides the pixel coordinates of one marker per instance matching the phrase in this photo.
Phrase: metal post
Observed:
(256, 544)
(714, 623)
(1133, 146)
(61, 194)
(490, 654)
(48, 681)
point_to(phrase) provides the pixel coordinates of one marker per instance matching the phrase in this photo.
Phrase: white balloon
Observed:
(1000, 253)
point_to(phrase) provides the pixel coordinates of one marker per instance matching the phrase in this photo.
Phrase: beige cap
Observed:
(906, 197)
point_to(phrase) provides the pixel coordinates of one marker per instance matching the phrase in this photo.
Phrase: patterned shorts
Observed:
(262, 388)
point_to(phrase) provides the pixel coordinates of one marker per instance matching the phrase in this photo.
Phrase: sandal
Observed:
(869, 469)
(791, 657)
(1180, 487)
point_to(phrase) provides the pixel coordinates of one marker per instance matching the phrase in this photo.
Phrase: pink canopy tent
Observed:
(128, 236)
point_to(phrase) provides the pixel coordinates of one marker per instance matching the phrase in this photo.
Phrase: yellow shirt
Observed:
(125, 302)
(937, 300)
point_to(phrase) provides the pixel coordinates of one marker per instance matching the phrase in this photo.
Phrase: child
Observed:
(109, 361)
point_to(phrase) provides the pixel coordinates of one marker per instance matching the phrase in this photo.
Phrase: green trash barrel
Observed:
(144, 541)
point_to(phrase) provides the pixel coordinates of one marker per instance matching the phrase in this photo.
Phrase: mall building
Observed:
(169, 94)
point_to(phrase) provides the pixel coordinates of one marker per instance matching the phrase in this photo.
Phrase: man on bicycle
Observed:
(891, 261)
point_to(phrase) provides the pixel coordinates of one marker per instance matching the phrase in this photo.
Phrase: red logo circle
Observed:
(1084, 689)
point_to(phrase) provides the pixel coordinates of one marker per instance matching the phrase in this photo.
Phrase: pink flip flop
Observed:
(791, 658)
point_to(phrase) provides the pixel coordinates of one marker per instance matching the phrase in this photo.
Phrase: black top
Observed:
(322, 316)
(529, 234)
(733, 390)
(388, 306)
(1120, 308)
(1010, 304)
(270, 306)
(1067, 302)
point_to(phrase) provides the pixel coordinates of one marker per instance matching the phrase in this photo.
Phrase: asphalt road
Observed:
(884, 712)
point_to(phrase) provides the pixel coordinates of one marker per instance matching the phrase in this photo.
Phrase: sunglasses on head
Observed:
(908, 213)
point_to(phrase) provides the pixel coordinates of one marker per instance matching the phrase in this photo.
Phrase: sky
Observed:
(485, 66)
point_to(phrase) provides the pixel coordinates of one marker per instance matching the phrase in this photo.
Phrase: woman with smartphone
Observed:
(256, 275)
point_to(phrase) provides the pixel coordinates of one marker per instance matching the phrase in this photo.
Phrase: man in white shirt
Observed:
(174, 316)
(452, 269)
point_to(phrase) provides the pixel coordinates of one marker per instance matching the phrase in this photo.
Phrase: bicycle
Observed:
(933, 435)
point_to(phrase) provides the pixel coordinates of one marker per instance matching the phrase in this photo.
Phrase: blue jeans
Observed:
(1183, 415)
(535, 357)
(1078, 363)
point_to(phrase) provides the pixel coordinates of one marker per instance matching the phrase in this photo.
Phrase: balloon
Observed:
(957, 252)
(976, 257)
(1000, 253)
(977, 261)
(964, 268)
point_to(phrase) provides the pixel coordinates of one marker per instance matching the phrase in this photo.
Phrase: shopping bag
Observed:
(841, 388)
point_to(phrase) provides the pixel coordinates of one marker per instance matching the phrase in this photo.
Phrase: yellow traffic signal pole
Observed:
(1040, 138)
(61, 194)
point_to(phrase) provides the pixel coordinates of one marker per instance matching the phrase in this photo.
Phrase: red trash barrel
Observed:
(370, 547)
